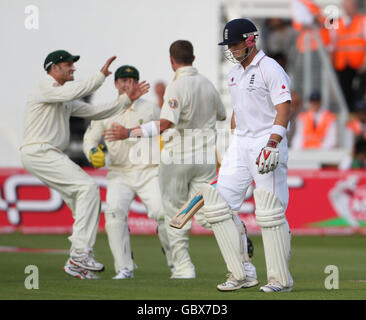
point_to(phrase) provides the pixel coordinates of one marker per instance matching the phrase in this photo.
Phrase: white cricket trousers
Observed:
(179, 183)
(122, 188)
(239, 169)
(79, 191)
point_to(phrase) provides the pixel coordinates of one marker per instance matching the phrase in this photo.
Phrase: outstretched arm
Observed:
(149, 129)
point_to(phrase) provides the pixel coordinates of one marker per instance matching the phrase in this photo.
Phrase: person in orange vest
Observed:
(349, 53)
(316, 128)
(305, 16)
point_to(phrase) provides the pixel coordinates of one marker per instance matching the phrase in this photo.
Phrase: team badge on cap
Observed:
(173, 103)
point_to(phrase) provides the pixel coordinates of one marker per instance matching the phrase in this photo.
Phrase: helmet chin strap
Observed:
(250, 42)
(248, 51)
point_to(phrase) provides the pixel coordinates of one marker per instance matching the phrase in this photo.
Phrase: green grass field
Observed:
(310, 256)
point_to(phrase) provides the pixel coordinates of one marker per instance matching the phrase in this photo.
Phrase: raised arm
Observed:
(53, 93)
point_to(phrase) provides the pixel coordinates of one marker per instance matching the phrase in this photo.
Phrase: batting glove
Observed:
(268, 158)
(97, 156)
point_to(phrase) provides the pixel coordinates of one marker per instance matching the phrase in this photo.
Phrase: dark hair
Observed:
(182, 52)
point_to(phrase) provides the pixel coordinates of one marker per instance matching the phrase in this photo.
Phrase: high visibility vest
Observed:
(350, 45)
(306, 39)
(313, 136)
(357, 127)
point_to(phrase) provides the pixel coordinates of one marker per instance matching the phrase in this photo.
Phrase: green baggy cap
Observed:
(126, 72)
(57, 57)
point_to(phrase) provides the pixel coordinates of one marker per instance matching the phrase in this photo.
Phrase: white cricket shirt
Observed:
(132, 153)
(191, 102)
(255, 91)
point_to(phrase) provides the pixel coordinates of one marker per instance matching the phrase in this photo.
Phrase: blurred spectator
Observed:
(316, 128)
(305, 16)
(159, 91)
(279, 37)
(349, 53)
(296, 107)
(281, 58)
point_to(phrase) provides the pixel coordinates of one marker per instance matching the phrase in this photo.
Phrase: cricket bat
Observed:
(187, 211)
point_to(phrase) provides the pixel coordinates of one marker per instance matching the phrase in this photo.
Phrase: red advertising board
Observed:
(321, 202)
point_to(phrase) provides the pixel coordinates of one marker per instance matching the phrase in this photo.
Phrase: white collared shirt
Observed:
(255, 91)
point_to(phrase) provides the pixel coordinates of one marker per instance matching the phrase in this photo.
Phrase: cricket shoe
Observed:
(186, 275)
(275, 287)
(123, 274)
(86, 260)
(232, 284)
(78, 272)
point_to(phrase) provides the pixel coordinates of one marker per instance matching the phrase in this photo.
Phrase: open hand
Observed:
(136, 90)
(116, 132)
(105, 70)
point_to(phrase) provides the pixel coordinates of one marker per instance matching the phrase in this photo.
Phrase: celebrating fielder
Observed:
(260, 92)
(46, 135)
(190, 110)
(128, 174)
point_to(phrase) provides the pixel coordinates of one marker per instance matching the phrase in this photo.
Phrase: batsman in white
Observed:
(46, 135)
(260, 92)
(191, 108)
(128, 175)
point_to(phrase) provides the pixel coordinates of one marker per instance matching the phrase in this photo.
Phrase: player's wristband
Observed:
(280, 130)
(149, 129)
(128, 133)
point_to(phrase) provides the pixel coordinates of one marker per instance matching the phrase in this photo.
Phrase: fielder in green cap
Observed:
(46, 134)
(127, 72)
(128, 174)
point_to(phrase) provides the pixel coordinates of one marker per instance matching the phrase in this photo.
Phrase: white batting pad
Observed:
(119, 240)
(243, 235)
(275, 234)
(219, 215)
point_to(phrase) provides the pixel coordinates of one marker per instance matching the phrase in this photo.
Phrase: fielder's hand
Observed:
(116, 132)
(136, 90)
(105, 70)
(268, 158)
(97, 156)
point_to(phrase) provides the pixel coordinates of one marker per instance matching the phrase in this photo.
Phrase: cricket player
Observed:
(260, 92)
(188, 118)
(128, 174)
(49, 108)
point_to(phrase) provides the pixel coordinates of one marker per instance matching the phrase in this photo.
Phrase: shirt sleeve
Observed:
(221, 111)
(98, 112)
(278, 83)
(50, 93)
(172, 106)
(93, 135)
